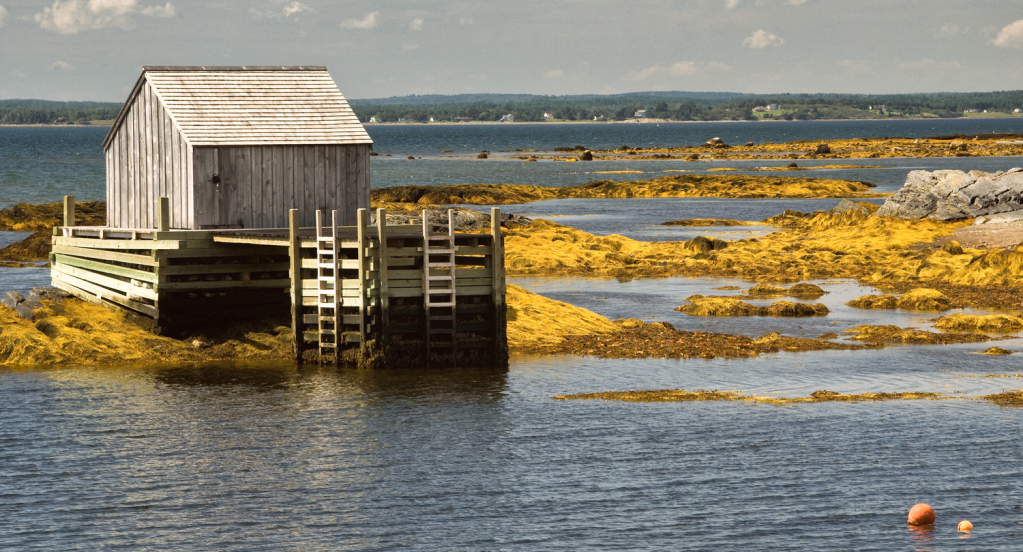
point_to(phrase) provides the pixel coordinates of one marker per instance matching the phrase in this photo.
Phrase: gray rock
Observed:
(956, 195)
(849, 205)
(11, 299)
(50, 294)
(26, 310)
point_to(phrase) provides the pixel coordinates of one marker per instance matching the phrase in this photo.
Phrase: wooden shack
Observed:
(235, 147)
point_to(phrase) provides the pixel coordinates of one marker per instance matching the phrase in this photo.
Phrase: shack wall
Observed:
(148, 158)
(255, 186)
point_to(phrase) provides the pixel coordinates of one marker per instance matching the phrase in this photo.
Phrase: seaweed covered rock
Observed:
(923, 299)
(788, 308)
(730, 306)
(977, 322)
(878, 302)
(701, 244)
(955, 195)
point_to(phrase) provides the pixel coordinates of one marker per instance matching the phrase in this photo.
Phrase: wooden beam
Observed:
(69, 211)
(295, 250)
(363, 222)
(163, 214)
(498, 291)
(382, 275)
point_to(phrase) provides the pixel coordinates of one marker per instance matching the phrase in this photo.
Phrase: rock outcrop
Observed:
(955, 195)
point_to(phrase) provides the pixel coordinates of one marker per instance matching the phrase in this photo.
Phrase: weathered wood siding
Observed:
(148, 158)
(259, 184)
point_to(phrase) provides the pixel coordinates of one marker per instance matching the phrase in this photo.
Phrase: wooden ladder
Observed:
(439, 289)
(328, 296)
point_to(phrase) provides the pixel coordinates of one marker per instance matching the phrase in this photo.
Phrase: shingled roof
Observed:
(235, 106)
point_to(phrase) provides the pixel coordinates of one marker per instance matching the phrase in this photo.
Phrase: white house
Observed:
(773, 107)
(759, 108)
(640, 113)
(547, 115)
(509, 118)
(1017, 110)
(374, 119)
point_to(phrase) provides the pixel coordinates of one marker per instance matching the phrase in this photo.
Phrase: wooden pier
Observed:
(369, 294)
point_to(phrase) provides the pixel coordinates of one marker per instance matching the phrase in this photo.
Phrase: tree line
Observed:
(683, 106)
(34, 112)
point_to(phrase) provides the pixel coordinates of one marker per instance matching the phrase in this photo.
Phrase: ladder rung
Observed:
(440, 291)
(442, 331)
(440, 304)
(326, 332)
(432, 318)
(440, 278)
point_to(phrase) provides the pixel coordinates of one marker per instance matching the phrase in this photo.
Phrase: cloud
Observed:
(684, 68)
(731, 4)
(73, 16)
(60, 66)
(554, 74)
(952, 29)
(796, 2)
(762, 39)
(650, 72)
(365, 23)
(854, 66)
(928, 63)
(465, 20)
(295, 7)
(1011, 36)
(3, 14)
(416, 24)
(166, 10)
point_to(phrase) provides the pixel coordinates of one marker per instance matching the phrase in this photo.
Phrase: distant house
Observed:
(640, 113)
(970, 111)
(431, 120)
(598, 117)
(547, 115)
(463, 118)
(509, 118)
(1017, 110)
(759, 108)
(773, 107)
(374, 119)
(878, 107)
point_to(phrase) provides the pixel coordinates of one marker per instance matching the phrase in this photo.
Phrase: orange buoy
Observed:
(921, 514)
(965, 526)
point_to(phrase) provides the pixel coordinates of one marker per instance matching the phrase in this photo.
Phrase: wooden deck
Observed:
(382, 274)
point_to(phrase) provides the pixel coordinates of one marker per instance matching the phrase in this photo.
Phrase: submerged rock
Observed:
(956, 195)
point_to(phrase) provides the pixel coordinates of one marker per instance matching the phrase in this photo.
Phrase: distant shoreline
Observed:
(667, 121)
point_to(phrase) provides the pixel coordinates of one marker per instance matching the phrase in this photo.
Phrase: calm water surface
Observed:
(274, 456)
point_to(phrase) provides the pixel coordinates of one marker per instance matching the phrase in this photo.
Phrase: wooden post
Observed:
(382, 276)
(497, 285)
(69, 210)
(163, 213)
(295, 250)
(362, 224)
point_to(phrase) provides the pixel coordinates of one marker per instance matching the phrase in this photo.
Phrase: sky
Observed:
(95, 49)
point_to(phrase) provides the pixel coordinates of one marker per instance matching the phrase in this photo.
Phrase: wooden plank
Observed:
(69, 210)
(310, 298)
(82, 290)
(254, 240)
(280, 207)
(104, 268)
(256, 187)
(295, 284)
(382, 277)
(362, 175)
(146, 159)
(180, 270)
(237, 251)
(306, 182)
(123, 244)
(145, 260)
(228, 284)
(393, 284)
(460, 273)
(363, 222)
(163, 215)
(105, 281)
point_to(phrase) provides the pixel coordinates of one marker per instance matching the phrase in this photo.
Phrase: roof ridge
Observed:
(226, 68)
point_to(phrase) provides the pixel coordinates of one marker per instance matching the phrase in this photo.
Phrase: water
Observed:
(42, 164)
(236, 456)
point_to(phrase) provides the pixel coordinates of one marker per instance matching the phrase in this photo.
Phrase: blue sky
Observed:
(94, 49)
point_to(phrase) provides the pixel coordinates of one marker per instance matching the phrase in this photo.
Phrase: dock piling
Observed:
(69, 211)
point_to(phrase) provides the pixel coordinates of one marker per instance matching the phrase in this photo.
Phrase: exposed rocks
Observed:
(822, 149)
(586, 156)
(481, 156)
(466, 220)
(26, 306)
(716, 142)
(956, 195)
